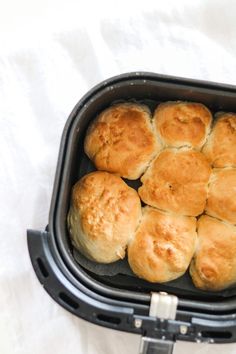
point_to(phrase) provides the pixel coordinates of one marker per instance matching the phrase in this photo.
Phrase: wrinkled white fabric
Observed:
(51, 53)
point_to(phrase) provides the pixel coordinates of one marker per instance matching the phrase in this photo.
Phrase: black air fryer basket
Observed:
(161, 314)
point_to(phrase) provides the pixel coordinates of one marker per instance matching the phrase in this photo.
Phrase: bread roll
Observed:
(121, 140)
(163, 245)
(220, 148)
(103, 216)
(177, 181)
(221, 201)
(214, 264)
(182, 124)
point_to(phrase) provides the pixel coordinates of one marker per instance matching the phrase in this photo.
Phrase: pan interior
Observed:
(76, 164)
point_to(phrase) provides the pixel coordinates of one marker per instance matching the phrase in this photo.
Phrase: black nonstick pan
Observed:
(115, 298)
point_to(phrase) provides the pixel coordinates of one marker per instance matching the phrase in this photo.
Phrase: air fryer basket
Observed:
(122, 301)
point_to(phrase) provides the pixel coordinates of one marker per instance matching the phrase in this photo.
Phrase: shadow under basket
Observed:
(160, 313)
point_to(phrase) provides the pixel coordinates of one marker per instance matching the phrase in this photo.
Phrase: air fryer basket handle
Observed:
(155, 346)
(75, 299)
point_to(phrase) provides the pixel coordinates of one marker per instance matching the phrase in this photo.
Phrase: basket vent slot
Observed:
(42, 268)
(109, 319)
(216, 335)
(67, 300)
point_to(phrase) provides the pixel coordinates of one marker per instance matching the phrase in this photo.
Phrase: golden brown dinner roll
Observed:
(121, 140)
(221, 201)
(176, 181)
(163, 245)
(103, 216)
(214, 264)
(220, 147)
(182, 124)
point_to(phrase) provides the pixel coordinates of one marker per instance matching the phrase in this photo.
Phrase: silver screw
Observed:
(138, 323)
(183, 329)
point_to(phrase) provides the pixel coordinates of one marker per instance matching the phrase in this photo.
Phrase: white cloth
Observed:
(51, 53)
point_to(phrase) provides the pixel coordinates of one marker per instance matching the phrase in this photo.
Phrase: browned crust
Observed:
(121, 140)
(163, 245)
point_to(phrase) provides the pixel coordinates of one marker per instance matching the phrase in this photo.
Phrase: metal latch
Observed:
(164, 307)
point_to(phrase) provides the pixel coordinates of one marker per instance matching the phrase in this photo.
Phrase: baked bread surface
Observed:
(103, 216)
(187, 167)
(214, 264)
(182, 124)
(121, 140)
(176, 181)
(221, 202)
(163, 245)
(220, 148)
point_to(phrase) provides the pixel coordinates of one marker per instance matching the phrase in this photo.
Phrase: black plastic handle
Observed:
(48, 272)
(75, 299)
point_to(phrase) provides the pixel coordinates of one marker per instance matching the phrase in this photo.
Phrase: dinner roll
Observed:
(182, 124)
(103, 216)
(220, 148)
(221, 201)
(163, 245)
(214, 264)
(176, 181)
(121, 140)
